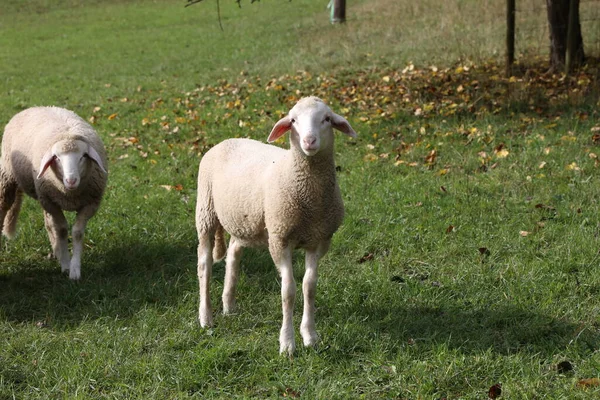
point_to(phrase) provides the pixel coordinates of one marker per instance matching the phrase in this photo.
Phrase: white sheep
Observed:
(263, 195)
(56, 157)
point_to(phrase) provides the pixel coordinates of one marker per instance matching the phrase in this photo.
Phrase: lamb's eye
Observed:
(293, 121)
(327, 119)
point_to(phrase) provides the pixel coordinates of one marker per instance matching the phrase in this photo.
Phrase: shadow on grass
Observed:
(506, 329)
(115, 283)
(121, 281)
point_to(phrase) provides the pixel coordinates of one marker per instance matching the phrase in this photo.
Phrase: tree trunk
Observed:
(558, 22)
(338, 14)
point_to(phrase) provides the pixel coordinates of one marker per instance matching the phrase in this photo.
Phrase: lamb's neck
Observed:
(320, 165)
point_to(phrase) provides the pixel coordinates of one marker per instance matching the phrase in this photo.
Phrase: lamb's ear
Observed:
(93, 154)
(340, 123)
(47, 161)
(281, 127)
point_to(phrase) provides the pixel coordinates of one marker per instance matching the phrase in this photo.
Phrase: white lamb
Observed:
(263, 195)
(56, 157)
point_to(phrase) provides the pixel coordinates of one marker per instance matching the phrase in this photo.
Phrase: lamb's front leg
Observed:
(58, 232)
(309, 290)
(282, 256)
(83, 216)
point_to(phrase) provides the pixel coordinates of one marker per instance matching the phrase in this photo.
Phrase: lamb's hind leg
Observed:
(309, 290)
(205, 262)
(9, 228)
(8, 192)
(58, 232)
(232, 270)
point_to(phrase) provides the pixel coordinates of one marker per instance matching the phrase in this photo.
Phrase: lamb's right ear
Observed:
(341, 124)
(47, 161)
(281, 127)
(93, 154)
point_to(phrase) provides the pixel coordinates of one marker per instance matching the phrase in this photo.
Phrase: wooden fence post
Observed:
(510, 36)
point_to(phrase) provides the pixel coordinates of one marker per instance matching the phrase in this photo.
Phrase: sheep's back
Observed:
(234, 173)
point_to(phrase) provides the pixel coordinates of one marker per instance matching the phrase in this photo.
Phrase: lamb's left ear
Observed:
(47, 161)
(338, 122)
(281, 127)
(93, 154)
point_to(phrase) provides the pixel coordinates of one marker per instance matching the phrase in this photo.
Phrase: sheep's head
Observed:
(311, 123)
(70, 161)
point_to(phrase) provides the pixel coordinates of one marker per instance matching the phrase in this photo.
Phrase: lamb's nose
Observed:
(71, 181)
(309, 141)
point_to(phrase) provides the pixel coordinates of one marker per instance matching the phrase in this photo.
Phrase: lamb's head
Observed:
(70, 160)
(311, 123)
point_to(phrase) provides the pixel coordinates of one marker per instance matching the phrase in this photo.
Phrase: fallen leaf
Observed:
(450, 229)
(563, 367)
(495, 391)
(524, 233)
(484, 251)
(430, 158)
(167, 187)
(502, 153)
(366, 257)
(112, 116)
(289, 392)
(590, 382)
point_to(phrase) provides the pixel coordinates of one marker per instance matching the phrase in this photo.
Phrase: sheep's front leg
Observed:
(205, 262)
(282, 256)
(232, 268)
(309, 290)
(58, 232)
(83, 216)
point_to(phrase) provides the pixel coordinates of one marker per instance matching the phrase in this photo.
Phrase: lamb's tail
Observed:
(10, 221)
(219, 248)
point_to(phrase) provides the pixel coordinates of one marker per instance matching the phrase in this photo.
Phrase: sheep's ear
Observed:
(340, 123)
(93, 154)
(281, 127)
(47, 161)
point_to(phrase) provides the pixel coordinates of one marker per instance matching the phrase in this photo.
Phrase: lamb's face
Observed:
(70, 160)
(311, 123)
(311, 127)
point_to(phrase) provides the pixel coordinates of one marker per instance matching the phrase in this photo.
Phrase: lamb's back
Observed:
(235, 173)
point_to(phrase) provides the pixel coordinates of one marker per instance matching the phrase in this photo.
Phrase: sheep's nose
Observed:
(310, 141)
(71, 182)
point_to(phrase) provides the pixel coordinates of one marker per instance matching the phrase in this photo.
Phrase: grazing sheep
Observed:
(56, 157)
(263, 195)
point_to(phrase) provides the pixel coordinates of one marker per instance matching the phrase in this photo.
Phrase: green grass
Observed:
(449, 275)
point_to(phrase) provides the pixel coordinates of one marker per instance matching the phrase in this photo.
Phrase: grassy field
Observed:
(469, 253)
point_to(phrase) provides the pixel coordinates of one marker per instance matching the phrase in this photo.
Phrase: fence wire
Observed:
(532, 33)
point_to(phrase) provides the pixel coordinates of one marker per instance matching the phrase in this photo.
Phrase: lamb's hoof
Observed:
(287, 349)
(310, 339)
(229, 308)
(74, 275)
(287, 344)
(205, 321)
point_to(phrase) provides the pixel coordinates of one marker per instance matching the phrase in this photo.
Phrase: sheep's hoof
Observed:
(310, 339)
(229, 307)
(287, 344)
(74, 275)
(287, 349)
(205, 321)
